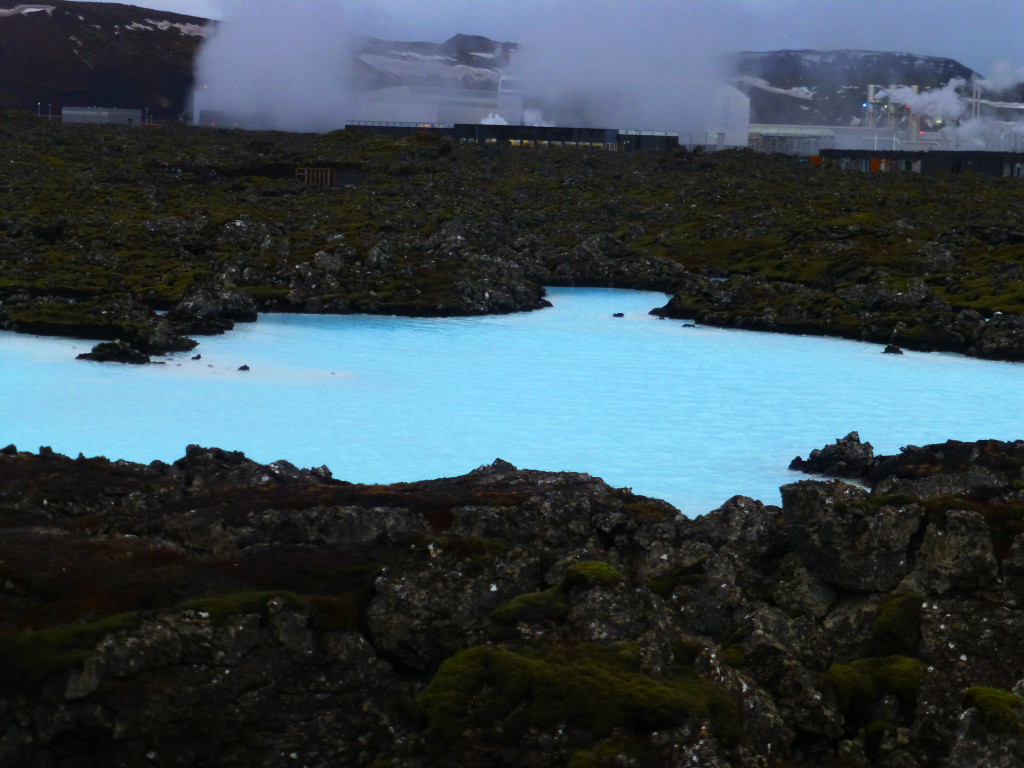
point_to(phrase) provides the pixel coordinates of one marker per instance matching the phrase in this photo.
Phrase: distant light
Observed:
(920, 133)
(864, 104)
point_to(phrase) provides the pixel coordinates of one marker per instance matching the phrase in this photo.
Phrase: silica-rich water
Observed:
(691, 415)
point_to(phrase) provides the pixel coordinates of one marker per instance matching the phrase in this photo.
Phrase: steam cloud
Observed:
(598, 63)
(944, 103)
(272, 64)
(1003, 76)
(614, 65)
(603, 63)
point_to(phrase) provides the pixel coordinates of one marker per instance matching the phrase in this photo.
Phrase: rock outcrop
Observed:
(271, 615)
(848, 457)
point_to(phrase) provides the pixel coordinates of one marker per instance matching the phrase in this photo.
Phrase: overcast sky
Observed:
(978, 33)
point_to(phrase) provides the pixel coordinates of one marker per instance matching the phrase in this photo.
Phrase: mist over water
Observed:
(691, 415)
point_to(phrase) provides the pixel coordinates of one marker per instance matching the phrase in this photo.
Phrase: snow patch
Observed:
(427, 66)
(26, 8)
(421, 56)
(195, 30)
(800, 92)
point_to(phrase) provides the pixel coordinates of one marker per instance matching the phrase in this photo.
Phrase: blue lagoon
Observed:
(691, 415)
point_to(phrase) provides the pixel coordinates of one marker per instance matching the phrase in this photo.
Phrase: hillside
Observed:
(829, 87)
(106, 54)
(96, 54)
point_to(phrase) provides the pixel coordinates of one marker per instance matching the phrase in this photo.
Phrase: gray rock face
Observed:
(955, 555)
(848, 540)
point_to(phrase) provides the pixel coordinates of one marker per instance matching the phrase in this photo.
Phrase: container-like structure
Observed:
(101, 115)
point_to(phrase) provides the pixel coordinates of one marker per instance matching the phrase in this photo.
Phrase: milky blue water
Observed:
(691, 415)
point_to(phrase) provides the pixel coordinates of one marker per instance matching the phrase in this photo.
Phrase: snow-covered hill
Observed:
(81, 54)
(830, 87)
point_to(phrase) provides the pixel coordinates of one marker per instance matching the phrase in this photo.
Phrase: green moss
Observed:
(898, 625)
(607, 753)
(29, 657)
(733, 655)
(866, 680)
(998, 708)
(589, 574)
(549, 605)
(492, 687)
(552, 604)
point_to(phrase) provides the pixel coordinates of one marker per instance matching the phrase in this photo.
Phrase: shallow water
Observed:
(691, 415)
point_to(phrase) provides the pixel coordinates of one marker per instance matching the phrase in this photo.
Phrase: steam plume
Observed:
(944, 103)
(599, 63)
(609, 65)
(279, 65)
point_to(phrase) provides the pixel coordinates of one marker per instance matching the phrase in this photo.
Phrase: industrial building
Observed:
(888, 124)
(101, 115)
(994, 164)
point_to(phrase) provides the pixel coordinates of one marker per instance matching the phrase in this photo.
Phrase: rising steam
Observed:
(278, 65)
(652, 65)
(596, 64)
(942, 104)
(632, 67)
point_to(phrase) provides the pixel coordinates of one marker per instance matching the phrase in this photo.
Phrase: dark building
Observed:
(536, 136)
(101, 115)
(997, 164)
(401, 129)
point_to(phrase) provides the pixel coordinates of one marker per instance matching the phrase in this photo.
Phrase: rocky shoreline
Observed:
(219, 611)
(913, 317)
(149, 237)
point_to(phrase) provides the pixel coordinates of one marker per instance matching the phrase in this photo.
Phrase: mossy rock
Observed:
(29, 657)
(593, 573)
(898, 625)
(998, 708)
(549, 605)
(866, 680)
(585, 687)
(610, 753)
(733, 655)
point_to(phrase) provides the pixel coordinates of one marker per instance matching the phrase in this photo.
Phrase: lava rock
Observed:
(848, 457)
(115, 352)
